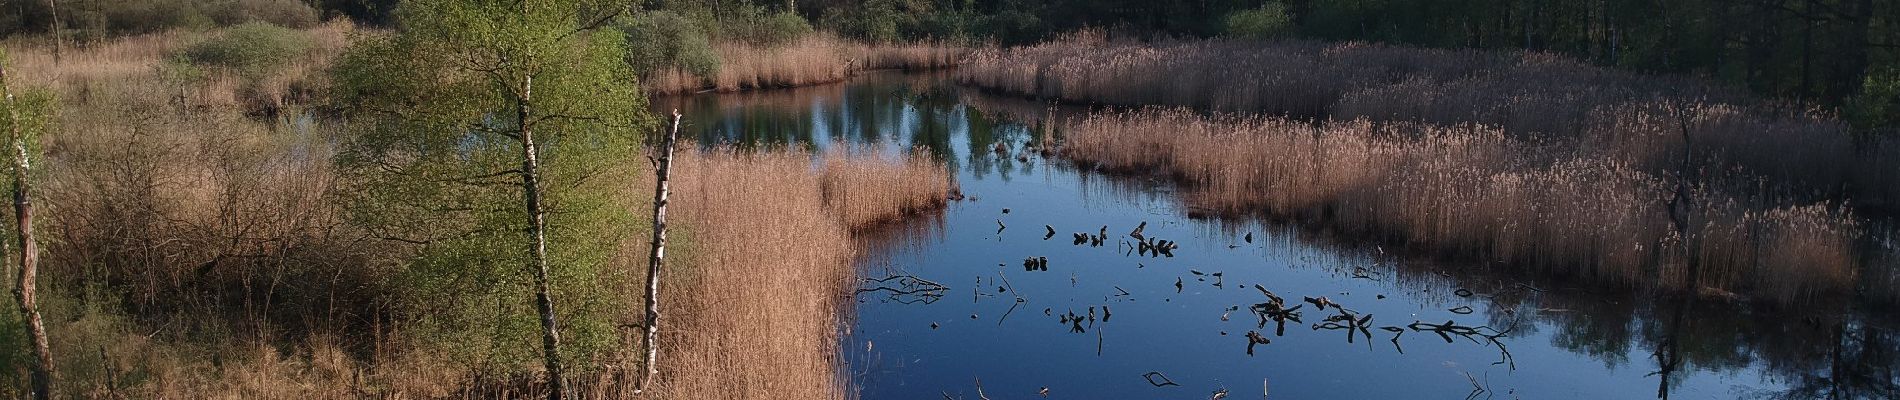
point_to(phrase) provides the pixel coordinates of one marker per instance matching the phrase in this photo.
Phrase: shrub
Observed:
(660, 39)
(290, 13)
(779, 28)
(1878, 104)
(875, 21)
(251, 50)
(1266, 22)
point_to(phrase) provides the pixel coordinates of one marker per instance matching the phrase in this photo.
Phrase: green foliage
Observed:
(29, 112)
(660, 39)
(875, 21)
(291, 13)
(1267, 22)
(743, 21)
(434, 153)
(1013, 27)
(1878, 104)
(34, 109)
(778, 28)
(96, 19)
(252, 50)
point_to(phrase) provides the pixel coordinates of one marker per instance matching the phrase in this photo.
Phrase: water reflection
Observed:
(1237, 302)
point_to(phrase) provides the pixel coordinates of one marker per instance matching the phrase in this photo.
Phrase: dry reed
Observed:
(1801, 154)
(1473, 192)
(811, 60)
(865, 189)
(755, 312)
(199, 252)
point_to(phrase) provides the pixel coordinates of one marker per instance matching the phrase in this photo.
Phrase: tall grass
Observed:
(1805, 155)
(197, 250)
(757, 311)
(1526, 158)
(810, 60)
(865, 189)
(1473, 192)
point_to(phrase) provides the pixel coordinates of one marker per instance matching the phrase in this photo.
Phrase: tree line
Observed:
(1837, 53)
(1843, 54)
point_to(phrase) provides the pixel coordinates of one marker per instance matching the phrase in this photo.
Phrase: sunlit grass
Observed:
(814, 59)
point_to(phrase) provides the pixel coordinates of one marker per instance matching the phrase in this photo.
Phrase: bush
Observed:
(779, 28)
(876, 21)
(290, 13)
(141, 16)
(661, 39)
(1878, 104)
(1266, 22)
(251, 50)
(96, 20)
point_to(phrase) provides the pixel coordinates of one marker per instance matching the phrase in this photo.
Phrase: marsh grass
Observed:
(865, 188)
(810, 60)
(758, 303)
(1805, 155)
(197, 249)
(1521, 158)
(1473, 192)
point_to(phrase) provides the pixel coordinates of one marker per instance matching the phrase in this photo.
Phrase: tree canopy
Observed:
(437, 112)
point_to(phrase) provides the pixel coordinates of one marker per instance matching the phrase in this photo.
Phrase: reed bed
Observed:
(755, 313)
(756, 310)
(1525, 158)
(1473, 192)
(1806, 156)
(196, 251)
(911, 56)
(811, 60)
(93, 71)
(866, 189)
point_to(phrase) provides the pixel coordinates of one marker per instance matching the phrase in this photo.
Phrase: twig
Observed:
(1151, 375)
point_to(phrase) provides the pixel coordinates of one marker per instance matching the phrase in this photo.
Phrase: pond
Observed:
(1007, 293)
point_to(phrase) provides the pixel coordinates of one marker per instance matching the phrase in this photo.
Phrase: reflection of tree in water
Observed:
(1856, 361)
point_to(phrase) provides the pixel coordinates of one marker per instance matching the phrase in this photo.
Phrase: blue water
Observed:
(1002, 328)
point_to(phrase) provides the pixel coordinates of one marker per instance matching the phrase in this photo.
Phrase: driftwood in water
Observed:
(1254, 338)
(1164, 381)
(906, 289)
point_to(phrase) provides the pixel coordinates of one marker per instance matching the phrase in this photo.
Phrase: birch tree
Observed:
(22, 118)
(497, 137)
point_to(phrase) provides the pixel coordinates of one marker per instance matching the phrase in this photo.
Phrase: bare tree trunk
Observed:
(538, 243)
(58, 39)
(658, 256)
(25, 290)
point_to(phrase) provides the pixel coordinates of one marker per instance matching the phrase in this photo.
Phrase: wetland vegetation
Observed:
(450, 199)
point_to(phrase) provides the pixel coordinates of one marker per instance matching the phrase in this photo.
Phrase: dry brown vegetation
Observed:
(1471, 191)
(758, 305)
(1523, 158)
(813, 59)
(197, 250)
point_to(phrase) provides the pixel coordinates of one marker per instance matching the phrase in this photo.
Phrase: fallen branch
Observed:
(1151, 375)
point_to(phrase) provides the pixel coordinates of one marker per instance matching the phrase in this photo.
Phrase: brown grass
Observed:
(1472, 192)
(1807, 156)
(756, 308)
(858, 186)
(1520, 157)
(197, 252)
(811, 60)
